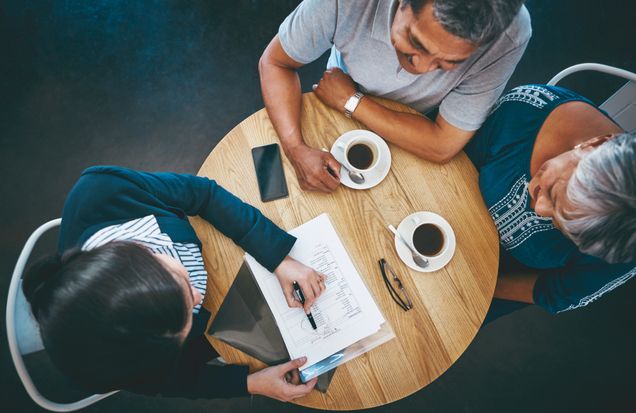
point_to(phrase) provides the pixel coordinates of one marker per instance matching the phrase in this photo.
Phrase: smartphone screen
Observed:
(269, 172)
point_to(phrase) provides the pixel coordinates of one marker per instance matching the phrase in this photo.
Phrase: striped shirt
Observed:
(146, 232)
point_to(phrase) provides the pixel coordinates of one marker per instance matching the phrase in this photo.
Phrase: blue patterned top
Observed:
(501, 151)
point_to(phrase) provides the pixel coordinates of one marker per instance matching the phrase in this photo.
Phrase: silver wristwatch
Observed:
(352, 104)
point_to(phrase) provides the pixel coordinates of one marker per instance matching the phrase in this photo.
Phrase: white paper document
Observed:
(344, 314)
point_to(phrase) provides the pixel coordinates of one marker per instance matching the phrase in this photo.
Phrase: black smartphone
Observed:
(269, 172)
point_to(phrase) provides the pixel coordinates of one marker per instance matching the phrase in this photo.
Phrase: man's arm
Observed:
(280, 86)
(516, 287)
(436, 141)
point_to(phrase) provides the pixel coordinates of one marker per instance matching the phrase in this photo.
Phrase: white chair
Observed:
(23, 332)
(621, 106)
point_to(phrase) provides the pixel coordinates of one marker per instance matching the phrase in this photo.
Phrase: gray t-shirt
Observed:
(358, 32)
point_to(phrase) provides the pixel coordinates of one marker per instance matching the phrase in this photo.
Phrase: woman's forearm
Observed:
(516, 287)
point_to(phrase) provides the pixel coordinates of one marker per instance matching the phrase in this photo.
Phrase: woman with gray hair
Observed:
(600, 213)
(559, 178)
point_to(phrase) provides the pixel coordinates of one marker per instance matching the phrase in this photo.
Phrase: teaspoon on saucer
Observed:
(417, 257)
(356, 177)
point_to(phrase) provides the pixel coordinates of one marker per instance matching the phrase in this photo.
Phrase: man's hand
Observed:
(280, 382)
(311, 282)
(335, 88)
(312, 166)
(282, 95)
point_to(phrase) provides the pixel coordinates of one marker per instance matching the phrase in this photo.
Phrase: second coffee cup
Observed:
(428, 239)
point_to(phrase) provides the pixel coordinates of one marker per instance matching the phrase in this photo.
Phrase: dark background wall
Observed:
(156, 84)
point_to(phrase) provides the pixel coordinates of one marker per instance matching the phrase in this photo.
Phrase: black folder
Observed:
(245, 321)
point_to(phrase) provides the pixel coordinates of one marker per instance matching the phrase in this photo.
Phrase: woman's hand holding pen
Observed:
(311, 282)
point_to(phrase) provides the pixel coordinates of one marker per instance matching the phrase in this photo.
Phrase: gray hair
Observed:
(477, 21)
(602, 194)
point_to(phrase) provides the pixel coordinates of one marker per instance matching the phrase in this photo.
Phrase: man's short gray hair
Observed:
(476, 21)
(602, 193)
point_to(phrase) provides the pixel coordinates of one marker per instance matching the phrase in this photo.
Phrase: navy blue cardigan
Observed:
(109, 195)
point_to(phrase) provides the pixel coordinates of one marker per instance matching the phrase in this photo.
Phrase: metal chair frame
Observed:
(597, 67)
(620, 106)
(16, 303)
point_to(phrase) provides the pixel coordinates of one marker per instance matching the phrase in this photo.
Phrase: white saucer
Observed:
(406, 227)
(373, 176)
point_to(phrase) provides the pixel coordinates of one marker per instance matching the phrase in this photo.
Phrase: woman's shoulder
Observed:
(99, 182)
(96, 190)
(103, 196)
(509, 132)
(537, 96)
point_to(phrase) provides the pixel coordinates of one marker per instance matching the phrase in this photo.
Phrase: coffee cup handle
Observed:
(340, 153)
(415, 221)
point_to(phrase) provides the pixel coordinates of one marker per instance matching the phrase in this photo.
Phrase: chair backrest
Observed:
(23, 332)
(621, 106)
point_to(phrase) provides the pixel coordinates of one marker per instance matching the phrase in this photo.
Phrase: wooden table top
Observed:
(449, 304)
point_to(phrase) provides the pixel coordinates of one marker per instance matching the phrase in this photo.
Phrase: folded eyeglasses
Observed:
(398, 295)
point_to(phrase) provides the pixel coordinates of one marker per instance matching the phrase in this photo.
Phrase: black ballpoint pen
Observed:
(301, 298)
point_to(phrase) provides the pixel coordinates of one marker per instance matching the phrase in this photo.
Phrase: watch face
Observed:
(352, 103)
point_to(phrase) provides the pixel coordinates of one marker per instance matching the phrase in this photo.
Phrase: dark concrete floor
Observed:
(156, 84)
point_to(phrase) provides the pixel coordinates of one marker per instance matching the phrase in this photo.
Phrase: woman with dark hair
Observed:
(119, 307)
(559, 179)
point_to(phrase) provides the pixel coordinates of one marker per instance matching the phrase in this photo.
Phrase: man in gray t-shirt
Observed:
(453, 54)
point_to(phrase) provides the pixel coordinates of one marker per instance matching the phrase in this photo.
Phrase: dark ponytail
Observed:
(42, 272)
(111, 317)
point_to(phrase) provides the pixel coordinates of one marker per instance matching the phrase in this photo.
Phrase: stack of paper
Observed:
(345, 313)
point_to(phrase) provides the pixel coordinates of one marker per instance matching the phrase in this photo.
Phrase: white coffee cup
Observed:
(345, 147)
(416, 223)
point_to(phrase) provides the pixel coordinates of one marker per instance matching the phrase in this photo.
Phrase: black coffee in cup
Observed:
(428, 239)
(360, 156)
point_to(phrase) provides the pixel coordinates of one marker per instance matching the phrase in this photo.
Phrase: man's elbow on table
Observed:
(440, 149)
(443, 144)
(439, 154)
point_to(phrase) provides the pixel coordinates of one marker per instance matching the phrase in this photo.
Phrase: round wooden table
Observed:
(449, 304)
